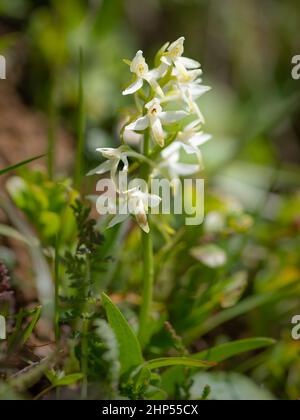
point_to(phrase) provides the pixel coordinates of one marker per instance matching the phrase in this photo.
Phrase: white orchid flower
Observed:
(154, 119)
(175, 167)
(191, 138)
(133, 202)
(115, 157)
(188, 88)
(140, 68)
(173, 55)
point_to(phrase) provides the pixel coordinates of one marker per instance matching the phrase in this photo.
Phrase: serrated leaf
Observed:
(129, 347)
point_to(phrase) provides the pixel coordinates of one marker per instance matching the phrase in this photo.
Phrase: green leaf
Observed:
(20, 336)
(129, 347)
(31, 325)
(177, 361)
(217, 354)
(18, 165)
(68, 380)
(225, 351)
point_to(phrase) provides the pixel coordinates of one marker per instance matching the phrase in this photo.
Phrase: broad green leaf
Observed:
(217, 354)
(177, 361)
(129, 347)
(210, 255)
(18, 165)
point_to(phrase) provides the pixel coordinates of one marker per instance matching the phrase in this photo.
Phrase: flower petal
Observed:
(142, 220)
(101, 169)
(172, 116)
(184, 169)
(189, 63)
(134, 87)
(155, 86)
(157, 131)
(139, 125)
(199, 139)
(153, 200)
(166, 60)
(119, 218)
(198, 90)
(188, 149)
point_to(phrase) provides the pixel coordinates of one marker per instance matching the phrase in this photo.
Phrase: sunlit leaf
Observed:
(129, 347)
(177, 361)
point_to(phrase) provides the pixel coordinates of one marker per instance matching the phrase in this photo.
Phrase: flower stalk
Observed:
(148, 263)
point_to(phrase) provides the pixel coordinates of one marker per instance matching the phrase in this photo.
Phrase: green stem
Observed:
(148, 276)
(148, 267)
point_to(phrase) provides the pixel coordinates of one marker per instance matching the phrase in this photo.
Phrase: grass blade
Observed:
(18, 165)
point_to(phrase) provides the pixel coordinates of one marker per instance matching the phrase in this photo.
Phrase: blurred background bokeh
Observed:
(253, 113)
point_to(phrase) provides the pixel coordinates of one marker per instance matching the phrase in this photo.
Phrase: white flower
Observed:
(176, 169)
(115, 157)
(174, 56)
(154, 119)
(140, 68)
(190, 138)
(134, 202)
(188, 88)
